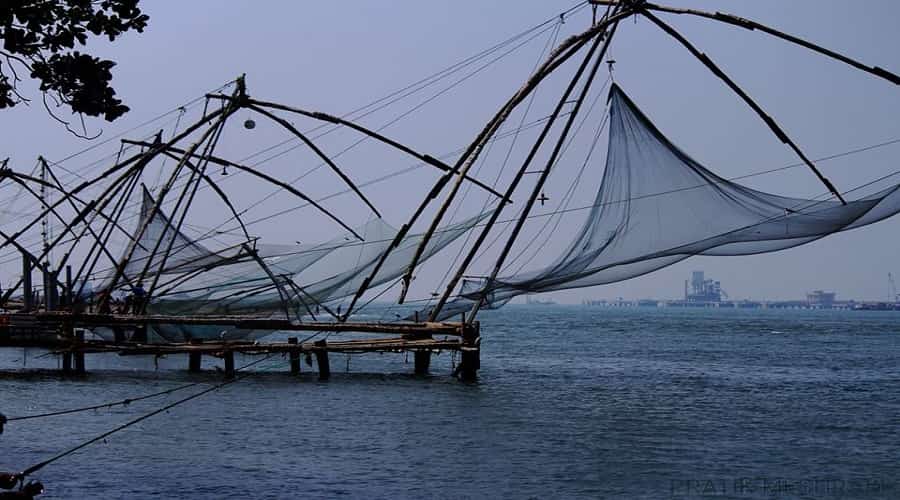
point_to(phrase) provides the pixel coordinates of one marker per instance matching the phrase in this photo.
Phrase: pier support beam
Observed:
(470, 354)
(423, 361)
(195, 358)
(195, 362)
(322, 361)
(79, 355)
(229, 364)
(295, 357)
(27, 293)
(67, 362)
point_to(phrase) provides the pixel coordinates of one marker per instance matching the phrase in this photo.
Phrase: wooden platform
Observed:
(63, 332)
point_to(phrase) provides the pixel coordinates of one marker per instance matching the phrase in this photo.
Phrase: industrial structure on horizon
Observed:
(702, 292)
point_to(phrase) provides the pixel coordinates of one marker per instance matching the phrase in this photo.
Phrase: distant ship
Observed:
(538, 302)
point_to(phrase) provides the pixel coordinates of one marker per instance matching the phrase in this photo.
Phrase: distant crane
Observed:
(893, 286)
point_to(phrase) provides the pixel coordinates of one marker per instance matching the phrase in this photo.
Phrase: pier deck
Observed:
(62, 332)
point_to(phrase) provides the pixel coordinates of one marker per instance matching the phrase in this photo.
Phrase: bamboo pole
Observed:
(223, 115)
(328, 161)
(776, 129)
(451, 285)
(195, 174)
(86, 270)
(140, 160)
(427, 159)
(560, 54)
(539, 185)
(468, 159)
(751, 25)
(219, 192)
(272, 180)
(281, 291)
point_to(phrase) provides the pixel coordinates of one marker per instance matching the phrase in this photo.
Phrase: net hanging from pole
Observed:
(199, 281)
(657, 206)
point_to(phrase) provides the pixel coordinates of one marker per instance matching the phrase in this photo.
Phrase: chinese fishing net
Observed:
(657, 206)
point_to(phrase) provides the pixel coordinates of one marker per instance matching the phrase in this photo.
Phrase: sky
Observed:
(337, 56)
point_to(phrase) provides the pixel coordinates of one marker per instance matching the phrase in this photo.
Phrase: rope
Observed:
(123, 402)
(40, 465)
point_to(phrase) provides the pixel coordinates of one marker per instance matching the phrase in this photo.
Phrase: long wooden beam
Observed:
(560, 54)
(773, 125)
(567, 49)
(321, 154)
(244, 322)
(545, 173)
(427, 159)
(751, 25)
(267, 178)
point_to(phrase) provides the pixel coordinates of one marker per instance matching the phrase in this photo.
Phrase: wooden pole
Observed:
(322, 360)
(195, 359)
(79, 355)
(427, 159)
(195, 362)
(26, 282)
(561, 53)
(222, 116)
(70, 297)
(282, 293)
(328, 161)
(753, 25)
(229, 364)
(573, 82)
(67, 362)
(270, 179)
(422, 361)
(295, 357)
(465, 162)
(539, 185)
(470, 354)
(191, 187)
(773, 125)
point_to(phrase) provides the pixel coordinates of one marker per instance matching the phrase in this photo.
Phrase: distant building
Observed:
(702, 289)
(820, 299)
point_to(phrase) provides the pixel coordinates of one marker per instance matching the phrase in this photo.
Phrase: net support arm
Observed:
(776, 129)
(209, 181)
(281, 291)
(267, 178)
(751, 25)
(318, 115)
(328, 161)
(545, 173)
(482, 236)
(560, 54)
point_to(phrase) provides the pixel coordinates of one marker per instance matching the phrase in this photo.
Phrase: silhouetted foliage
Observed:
(39, 38)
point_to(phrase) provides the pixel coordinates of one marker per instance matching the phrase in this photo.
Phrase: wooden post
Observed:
(195, 358)
(79, 355)
(295, 357)
(470, 354)
(46, 285)
(70, 296)
(423, 361)
(53, 290)
(322, 361)
(229, 364)
(26, 282)
(67, 362)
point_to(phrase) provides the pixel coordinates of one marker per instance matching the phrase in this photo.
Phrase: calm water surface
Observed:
(572, 402)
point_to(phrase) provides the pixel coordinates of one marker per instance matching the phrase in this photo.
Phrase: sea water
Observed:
(571, 402)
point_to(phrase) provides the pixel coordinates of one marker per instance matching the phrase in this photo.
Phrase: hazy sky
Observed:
(336, 56)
